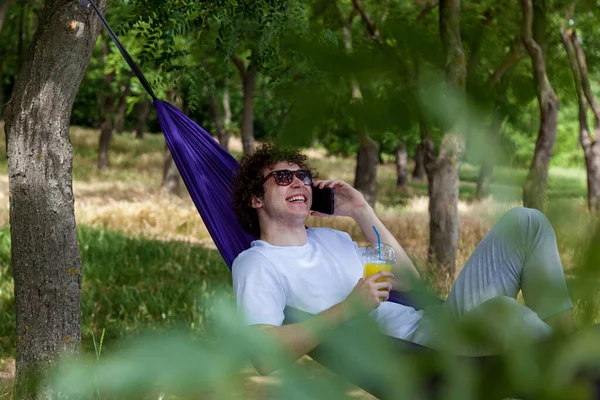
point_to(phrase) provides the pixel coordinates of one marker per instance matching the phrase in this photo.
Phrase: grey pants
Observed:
(519, 253)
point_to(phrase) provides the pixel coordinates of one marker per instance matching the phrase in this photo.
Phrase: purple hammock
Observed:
(208, 171)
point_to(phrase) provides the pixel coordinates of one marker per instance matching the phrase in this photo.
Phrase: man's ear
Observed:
(256, 202)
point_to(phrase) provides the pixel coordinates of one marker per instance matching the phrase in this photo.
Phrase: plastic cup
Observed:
(378, 258)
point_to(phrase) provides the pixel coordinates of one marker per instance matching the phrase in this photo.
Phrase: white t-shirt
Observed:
(311, 278)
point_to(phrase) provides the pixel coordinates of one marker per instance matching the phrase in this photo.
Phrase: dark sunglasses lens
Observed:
(305, 176)
(283, 178)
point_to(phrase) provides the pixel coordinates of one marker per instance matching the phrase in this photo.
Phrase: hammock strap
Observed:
(126, 55)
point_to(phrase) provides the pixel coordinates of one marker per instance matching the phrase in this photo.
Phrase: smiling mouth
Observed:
(296, 199)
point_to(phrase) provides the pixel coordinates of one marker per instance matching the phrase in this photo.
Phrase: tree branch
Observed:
(585, 82)
(475, 45)
(3, 11)
(584, 136)
(239, 63)
(451, 42)
(536, 53)
(510, 60)
(371, 28)
(431, 6)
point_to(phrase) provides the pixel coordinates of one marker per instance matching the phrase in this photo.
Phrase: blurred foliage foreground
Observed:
(184, 339)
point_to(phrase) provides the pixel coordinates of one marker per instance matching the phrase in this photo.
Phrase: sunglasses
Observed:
(285, 177)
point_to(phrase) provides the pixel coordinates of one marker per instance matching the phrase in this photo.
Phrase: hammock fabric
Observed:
(208, 171)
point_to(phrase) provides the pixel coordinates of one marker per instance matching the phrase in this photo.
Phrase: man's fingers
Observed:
(383, 286)
(383, 295)
(330, 183)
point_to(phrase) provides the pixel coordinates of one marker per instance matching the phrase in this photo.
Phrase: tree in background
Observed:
(45, 256)
(442, 170)
(537, 178)
(590, 143)
(105, 102)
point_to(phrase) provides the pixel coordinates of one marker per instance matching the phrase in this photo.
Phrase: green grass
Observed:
(131, 285)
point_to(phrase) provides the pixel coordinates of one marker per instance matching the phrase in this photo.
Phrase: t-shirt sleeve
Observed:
(259, 294)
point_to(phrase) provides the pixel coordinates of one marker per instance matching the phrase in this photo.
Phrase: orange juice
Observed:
(373, 268)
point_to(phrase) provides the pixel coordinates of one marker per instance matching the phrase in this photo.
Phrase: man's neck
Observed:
(284, 235)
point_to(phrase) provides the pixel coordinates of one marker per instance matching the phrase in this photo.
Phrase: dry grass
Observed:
(125, 197)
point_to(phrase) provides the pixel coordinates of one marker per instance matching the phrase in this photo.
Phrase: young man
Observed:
(319, 271)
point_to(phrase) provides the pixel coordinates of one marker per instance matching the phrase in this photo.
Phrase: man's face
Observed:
(287, 204)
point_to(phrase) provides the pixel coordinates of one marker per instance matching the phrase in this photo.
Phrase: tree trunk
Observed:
(484, 179)
(419, 172)
(1, 88)
(170, 181)
(3, 11)
(367, 159)
(226, 106)
(106, 127)
(140, 126)
(46, 263)
(122, 107)
(442, 172)
(248, 85)
(222, 135)
(402, 167)
(226, 117)
(591, 146)
(537, 178)
(248, 112)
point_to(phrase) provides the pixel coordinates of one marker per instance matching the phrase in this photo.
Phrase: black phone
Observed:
(322, 200)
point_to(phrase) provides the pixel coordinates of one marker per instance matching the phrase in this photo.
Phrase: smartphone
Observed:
(322, 200)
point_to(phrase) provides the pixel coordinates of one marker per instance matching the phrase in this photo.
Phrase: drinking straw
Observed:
(378, 242)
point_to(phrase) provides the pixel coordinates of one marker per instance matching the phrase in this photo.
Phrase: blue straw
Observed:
(378, 242)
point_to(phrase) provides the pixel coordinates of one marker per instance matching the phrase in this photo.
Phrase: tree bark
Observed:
(537, 178)
(122, 107)
(107, 100)
(442, 171)
(170, 181)
(402, 167)
(140, 126)
(227, 116)
(590, 145)
(1, 88)
(248, 85)
(367, 157)
(419, 173)
(222, 134)
(3, 10)
(45, 257)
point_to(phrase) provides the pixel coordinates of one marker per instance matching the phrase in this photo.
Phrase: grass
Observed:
(131, 285)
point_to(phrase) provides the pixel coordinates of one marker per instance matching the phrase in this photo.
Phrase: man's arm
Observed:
(350, 202)
(300, 338)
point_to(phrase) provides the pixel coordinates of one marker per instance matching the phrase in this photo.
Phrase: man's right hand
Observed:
(368, 293)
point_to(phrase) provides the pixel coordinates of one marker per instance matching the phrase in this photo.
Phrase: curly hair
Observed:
(248, 181)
